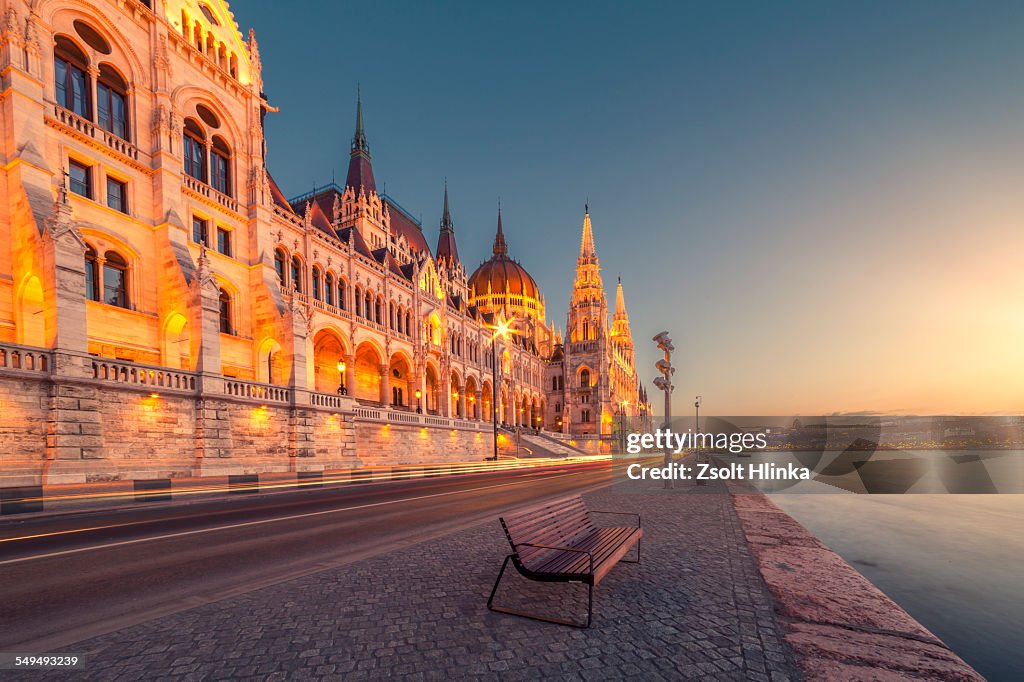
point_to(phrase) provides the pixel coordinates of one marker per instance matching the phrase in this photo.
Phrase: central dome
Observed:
(501, 275)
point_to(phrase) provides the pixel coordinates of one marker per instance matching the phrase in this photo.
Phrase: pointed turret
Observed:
(620, 300)
(500, 247)
(360, 171)
(447, 251)
(587, 250)
(620, 320)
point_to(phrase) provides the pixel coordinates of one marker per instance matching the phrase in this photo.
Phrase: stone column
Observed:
(479, 405)
(213, 429)
(461, 403)
(444, 405)
(74, 428)
(385, 384)
(350, 375)
(300, 413)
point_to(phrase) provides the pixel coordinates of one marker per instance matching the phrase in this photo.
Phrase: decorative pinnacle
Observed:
(446, 218)
(359, 143)
(500, 247)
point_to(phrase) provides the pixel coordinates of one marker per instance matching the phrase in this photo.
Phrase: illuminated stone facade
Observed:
(153, 259)
(591, 382)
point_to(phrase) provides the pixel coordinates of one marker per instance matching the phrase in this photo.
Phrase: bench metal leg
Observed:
(557, 621)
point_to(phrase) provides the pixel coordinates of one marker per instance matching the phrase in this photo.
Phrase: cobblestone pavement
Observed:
(695, 608)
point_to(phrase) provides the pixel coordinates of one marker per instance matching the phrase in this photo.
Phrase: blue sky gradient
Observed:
(822, 202)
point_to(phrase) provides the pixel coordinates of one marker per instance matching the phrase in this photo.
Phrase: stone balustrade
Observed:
(112, 371)
(331, 400)
(86, 127)
(202, 189)
(263, 393)
(387, 416)
(25, 358)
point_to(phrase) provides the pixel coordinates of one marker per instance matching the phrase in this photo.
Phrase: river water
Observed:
(954, 562)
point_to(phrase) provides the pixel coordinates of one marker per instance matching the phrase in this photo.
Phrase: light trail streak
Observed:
(243, 524)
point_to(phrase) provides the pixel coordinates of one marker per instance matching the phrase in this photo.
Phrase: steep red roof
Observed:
(321, 221)
(404, 224)
(277, 194)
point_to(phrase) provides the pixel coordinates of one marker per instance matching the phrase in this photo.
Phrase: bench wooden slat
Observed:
(572, 548)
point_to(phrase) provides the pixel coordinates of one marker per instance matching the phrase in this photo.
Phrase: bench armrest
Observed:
(600, 511)
(590, 557)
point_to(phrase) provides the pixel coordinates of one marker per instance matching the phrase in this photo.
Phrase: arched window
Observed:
(220, 166)
(279, 260)
(586, 330)
(194, 149)
(92, 275)
(408, 322)
(112, 102)
(585, 378)
(359, 302)
(297, 274)
(342, 294)
(317, 286)
(329, 289)
(225, 313)
(115, 280)
(70, 79)
(554, 383)
(368, 306)
(398, 321)
(377, 313)
(586, 417)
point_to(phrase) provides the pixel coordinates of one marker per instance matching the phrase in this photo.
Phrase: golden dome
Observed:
(504, 276)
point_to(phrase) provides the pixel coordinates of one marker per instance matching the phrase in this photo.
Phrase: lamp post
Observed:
(696, 406)
(419, 404)
(341, 378)
(622, 428)
(664, 382)
(500, 330)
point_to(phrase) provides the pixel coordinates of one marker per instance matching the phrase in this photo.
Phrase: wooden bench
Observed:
(559, 542)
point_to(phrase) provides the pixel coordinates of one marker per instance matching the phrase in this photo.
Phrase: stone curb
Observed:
(839, 625)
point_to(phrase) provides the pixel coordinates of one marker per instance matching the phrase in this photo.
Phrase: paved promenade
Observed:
(696, 608)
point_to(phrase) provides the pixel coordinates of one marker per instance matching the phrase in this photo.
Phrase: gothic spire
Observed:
(500, 247)
(446, 248)
(359, 139)
(587, 249)
(620, 300)
(360, 171)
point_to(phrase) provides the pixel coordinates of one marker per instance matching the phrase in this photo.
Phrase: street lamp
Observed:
(500, 330)
(622, 429)
(341, 378)
(696, 406)
(664, 382)
(419, 405)
(455, 397)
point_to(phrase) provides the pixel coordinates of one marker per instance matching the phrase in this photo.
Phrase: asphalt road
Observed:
(67, 578)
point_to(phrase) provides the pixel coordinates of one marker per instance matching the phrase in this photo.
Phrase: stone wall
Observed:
(23, 407)
(55, 430)
(386, 444)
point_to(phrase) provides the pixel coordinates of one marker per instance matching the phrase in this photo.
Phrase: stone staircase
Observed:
(533, 445)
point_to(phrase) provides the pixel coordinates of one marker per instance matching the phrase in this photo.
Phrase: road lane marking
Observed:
(291, 517)
(523, 472)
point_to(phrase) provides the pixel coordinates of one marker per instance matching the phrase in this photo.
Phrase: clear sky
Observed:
(823, 202)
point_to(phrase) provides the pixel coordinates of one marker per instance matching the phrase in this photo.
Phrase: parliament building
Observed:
(165, 310)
